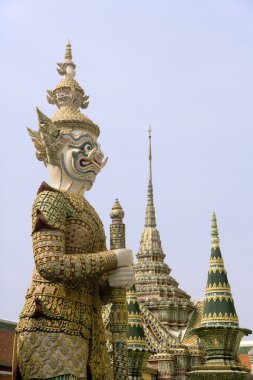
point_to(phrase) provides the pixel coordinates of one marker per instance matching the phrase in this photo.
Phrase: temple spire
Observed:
(150, 154)
(150, 241)
(219, 332)
(157, 290)
(219, 307)
(150, 219)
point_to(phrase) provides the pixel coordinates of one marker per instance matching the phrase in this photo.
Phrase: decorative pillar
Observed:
(119, 313)
(181, 365)
(166, 366)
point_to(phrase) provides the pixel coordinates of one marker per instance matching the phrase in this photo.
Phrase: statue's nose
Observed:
(99, 152)
(98, 155)
(91, 154)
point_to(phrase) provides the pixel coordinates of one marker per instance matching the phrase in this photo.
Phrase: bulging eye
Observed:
(87, 148)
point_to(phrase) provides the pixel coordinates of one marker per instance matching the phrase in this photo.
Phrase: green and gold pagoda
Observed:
(219, 332)
(138, 351)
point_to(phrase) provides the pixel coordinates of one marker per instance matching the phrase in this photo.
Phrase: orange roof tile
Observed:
(244, 359)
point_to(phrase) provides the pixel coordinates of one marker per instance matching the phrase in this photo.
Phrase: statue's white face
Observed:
(81, 158)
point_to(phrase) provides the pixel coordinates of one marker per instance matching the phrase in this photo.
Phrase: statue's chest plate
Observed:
(84, 229)
(79, 236)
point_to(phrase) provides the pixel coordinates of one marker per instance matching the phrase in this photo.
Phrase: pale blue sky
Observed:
(184, 66)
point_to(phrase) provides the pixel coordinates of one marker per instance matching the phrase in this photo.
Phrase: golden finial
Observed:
(150, 153)
(150, 209)
(67, 67)
(68, 54)
(117, 211)
(149, 130)
(215, 232)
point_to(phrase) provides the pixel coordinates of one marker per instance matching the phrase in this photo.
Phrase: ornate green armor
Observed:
(61, 330)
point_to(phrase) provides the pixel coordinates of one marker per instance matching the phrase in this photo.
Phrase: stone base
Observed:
(219, 375)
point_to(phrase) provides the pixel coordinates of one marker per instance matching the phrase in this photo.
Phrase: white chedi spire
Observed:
(150, 245)
(150, 219)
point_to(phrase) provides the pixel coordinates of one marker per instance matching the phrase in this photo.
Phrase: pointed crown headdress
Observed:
(69, 97)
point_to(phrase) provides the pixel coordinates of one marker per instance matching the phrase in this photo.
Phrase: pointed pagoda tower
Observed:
(220, 333)
(156, 289)
(219, 306)
(138, 352)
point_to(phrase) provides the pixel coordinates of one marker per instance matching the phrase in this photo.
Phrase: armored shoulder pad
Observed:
(49, 210)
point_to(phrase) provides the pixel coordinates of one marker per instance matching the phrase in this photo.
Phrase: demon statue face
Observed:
(81, 157)
(73, 157)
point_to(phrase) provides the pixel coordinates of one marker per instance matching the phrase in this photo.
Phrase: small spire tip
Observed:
(149, 130)
(68, 53)
(215, 232)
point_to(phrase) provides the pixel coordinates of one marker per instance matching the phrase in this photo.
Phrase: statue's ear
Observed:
(47, 140)
(39, 145)
(43, 119)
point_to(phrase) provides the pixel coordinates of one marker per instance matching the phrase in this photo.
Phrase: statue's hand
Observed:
(121, 278)
(124, 257)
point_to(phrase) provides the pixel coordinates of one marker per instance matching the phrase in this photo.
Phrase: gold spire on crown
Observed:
(215, 232)
(68, 66)
(68, 54)
(69, 97)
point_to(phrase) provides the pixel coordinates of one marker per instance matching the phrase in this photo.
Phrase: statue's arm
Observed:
(105, 291)
(51, 260)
